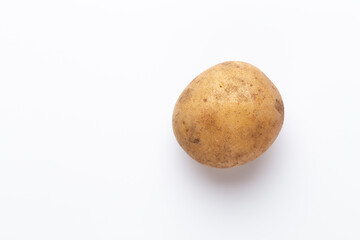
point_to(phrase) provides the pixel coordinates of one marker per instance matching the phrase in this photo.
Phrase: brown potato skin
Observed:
(228, 115)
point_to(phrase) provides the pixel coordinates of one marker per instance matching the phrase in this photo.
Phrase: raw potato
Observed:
(228, 115)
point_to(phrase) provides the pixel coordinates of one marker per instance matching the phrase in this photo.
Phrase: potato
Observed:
(228, 115)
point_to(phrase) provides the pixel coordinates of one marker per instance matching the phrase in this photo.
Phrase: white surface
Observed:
(87, 90)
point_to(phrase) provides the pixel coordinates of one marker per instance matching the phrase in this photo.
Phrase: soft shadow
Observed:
(231, 176)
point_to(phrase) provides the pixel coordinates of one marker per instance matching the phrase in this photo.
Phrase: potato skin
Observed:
(228, 115)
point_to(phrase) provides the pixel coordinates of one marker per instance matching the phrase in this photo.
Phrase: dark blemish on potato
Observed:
(196, 140)
(185, 95)
(204, 100)
(279, 106)
(209, 122)
(208, 119)
(242, 81)
(251, 85)
(186, 130)
(220, 86)
(184, 122)
(192, 133)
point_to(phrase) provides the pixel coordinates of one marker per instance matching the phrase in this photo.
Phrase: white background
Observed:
(87, 90)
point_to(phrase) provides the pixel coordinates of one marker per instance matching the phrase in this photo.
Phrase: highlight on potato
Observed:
(228, 115)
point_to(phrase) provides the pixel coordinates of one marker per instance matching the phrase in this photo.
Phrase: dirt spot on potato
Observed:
(239, 81)
(253, 96)
(196, 140)
(204, 100)
(208, 120)
(186, 95)
(279, 106)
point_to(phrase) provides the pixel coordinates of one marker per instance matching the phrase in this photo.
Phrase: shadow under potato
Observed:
(228, 176)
